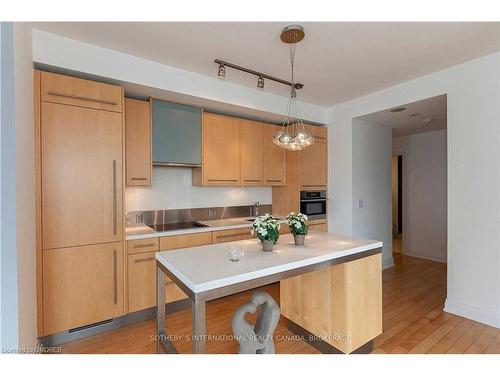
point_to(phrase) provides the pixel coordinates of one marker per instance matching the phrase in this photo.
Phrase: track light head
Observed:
(260, 82)
(222, 72)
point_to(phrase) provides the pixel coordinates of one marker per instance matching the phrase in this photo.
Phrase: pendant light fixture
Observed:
(293, 135)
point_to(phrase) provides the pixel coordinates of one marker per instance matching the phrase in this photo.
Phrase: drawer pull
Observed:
(233, 235)
(143, 260)
(313, 185)
(142, 246)
(86, 98)
(115, 215)
(274, 180)
(209, 180)
(252, 180)
(138, 178)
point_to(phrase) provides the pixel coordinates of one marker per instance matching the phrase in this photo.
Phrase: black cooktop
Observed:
(175, 226)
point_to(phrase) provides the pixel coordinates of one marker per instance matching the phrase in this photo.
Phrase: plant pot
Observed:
(267, 245)
(299, 239)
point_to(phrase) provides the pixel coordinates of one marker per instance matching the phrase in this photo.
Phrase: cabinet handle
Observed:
(313, 185)
(115, 279)
(252, 180)
(143, 260)
(138, 178)
(274, 180)
(114, 198)
(86, 98)
(209, 180)
(142, 246)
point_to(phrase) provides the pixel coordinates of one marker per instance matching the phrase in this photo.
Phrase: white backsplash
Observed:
(172, 189)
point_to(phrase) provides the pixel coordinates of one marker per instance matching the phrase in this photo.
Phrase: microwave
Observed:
(313, 204)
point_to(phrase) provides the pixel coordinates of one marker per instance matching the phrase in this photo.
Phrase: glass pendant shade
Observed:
(293, 135)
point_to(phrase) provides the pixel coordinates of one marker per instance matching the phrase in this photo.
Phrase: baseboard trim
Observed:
(424, 256)
(387, 263)
(472, 312)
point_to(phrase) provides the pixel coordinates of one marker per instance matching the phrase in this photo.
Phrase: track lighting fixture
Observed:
(260, 82)
(222, 71)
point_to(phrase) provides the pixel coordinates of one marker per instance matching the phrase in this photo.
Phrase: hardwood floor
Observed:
(414, 321)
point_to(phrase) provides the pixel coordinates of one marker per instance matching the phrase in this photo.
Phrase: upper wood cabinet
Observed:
(274, 158)
(81, 183)
(57, 88)
(82, 285)
(138, 142)
(314, 161)
(220, 152)
(251, 153)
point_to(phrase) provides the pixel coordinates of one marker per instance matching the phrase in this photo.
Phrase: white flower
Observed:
(298, 225)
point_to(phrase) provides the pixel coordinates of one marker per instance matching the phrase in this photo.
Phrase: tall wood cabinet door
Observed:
(313, 167)
(251, 153)
(81, 176)
(82, 285)
(273, 158)
(221, 150)
(141, 281)
(138, 142)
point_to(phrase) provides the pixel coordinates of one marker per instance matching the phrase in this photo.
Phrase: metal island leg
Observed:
(199, 325)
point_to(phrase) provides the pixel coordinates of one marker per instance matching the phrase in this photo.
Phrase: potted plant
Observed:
(297, 223)
(267, 229)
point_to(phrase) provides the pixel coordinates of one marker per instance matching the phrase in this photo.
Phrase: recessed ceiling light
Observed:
(427, 120)
(415, 114)
(399, 109)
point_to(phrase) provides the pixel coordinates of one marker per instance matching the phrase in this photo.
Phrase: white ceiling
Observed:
(336, 61)
(412, 119)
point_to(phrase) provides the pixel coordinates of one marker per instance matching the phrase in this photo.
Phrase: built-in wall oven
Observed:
(313, 204)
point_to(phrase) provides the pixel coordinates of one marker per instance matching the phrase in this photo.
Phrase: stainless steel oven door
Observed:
(314, 208)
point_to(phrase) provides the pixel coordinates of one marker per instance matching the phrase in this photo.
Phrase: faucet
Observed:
(256, 209)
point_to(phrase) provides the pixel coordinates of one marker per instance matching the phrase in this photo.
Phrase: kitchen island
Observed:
(325, 286)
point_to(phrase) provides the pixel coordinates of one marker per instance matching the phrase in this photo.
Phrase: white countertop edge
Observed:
(264, 272)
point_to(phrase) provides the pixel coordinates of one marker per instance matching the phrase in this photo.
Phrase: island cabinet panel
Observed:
(57, 88)
(273, 158)
(251, 153)
(314, 161)
(81, 182)
(82, 285)
(138, 142)
(341, 304)
(220, 152)
(230, 235)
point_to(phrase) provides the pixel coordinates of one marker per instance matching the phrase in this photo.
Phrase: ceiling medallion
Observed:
(293, 135)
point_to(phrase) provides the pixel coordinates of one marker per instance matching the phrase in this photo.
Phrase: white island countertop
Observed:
(208, 267)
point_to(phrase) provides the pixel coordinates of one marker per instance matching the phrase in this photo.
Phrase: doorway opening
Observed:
(397, 205)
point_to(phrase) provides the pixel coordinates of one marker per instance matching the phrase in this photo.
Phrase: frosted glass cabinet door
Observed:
(176, 133)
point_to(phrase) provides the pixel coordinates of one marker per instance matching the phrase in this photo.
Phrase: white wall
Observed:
(424, 194)
(25, 186)
(172, 189)
(473, 94)
(371, 181)
(8, 261)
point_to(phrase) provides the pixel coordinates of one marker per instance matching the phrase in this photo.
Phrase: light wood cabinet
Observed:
(81, 168)
(220, 152)
(251, 153)
(341, 304)
(185, 240)
(314, 161)
(320, 225)
(58, 88)
(82, 285)
(231, 235)
(144, 245)
(141, 281)
(138, 142)
(273, 158)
